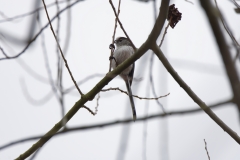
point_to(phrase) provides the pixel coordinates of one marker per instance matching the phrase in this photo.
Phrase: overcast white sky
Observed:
(191, 50)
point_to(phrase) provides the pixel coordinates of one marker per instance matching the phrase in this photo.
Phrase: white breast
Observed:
(121, 54)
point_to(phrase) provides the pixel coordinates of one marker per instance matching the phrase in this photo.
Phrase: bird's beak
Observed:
(115, 41)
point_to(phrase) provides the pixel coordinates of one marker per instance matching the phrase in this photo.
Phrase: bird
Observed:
(123, 51)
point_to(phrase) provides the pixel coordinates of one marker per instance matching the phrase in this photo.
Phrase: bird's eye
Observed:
(120, 40)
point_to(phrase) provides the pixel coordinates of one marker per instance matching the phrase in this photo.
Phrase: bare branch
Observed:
(109, 89)
(3, 52)
(116, 15)
(165, 32)
(89, 110)
(206, 149)
(235, 42)
(28, 13)
(96, 108)
(194, 97)
(114, 32)
(36, 36)
(162, 17)
(189, 2)
(231, 70)
(66, 64)
(236, 4)
(152, 82)
(225, 25)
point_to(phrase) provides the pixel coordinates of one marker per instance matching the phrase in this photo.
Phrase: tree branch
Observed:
(120, 23)
(114, 32)
(65, 61)
(223, 48)
(194, 97)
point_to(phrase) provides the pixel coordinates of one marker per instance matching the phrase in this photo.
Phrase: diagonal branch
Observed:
(65, 61)
(194, 97)
(206, 149)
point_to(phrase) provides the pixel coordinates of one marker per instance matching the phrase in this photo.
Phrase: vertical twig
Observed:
(114, 10)
(165, 32)
(96, 108)
(57, 50)
(114, 32)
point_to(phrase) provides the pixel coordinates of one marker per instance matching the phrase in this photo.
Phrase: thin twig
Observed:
(27, 68)
(114, 32)
(68, 29)
(59, 60)
(110, 1)
(206, 149)
(29, 13)
(237, 46)
(189, 2)
(109, 89)
(152, 82)
(89, 110)
(165, 32)
(236, 4)
(3, 52)
(59, 64)
(66, 64)
(96, 108)
(36, 36)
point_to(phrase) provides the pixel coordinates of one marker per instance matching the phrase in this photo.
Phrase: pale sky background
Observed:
(190, 48)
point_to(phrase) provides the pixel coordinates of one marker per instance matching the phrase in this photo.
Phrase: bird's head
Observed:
(122, 41)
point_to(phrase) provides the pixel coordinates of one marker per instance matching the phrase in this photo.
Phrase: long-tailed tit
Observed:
(123, 51)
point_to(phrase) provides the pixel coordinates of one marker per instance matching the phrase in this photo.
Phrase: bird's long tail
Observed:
(131, 99)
